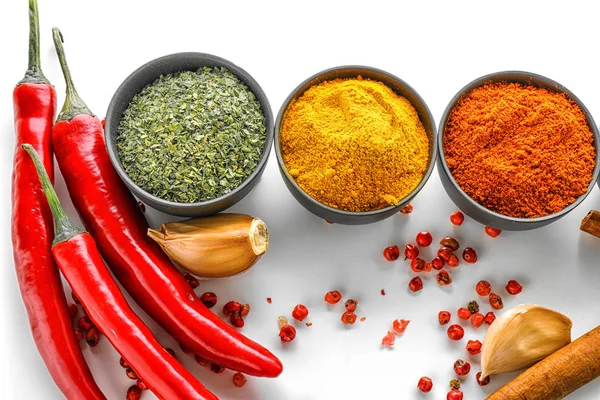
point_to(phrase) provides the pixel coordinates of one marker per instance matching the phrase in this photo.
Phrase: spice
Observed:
(477, 320)
(425, 384)
(348, 318)
(407, 209)
(513, 287)
(483, 288)
(496, 301)
(438, 263)
(333, 297)
(453, 260)
(391, 253)
(474, 347)
(457, 218)
(444, 253)
(591, 223)
(492, 232)
(482, 382)
(287, 333)
(463, 313)
(449, 241)
(239, 379)
(388, 340)
(519, 150)
(192, 136)
(444, 317)
(418, 264)
(462, 367)
(473, 307)
(300, 312)
(415, 284)
(454, 384)
(354, 144)
(443, 278)
(424, 239)
(489, 318)
(456, 332)
(209, 299)
(469, 255)
(351, 304)
(400, 325)
(218, 246)
(521, 337)
(411, 251)
(454, 394)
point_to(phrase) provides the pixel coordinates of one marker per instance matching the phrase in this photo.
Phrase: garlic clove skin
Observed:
(218, 246)
(522, 336)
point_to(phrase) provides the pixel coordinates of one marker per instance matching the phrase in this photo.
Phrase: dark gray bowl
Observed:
(400, 87)
(474, 209)
(147, 74)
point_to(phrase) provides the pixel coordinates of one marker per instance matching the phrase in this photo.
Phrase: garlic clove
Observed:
(522, 336)
(217, 246)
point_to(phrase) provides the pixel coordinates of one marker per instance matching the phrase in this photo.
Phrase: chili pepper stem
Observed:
(73, 105)
(34, 72)
(64, 228)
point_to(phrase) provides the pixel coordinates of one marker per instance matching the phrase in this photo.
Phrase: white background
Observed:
(437, 47)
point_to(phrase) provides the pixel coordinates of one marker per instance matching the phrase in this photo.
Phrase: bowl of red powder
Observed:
(517, 150)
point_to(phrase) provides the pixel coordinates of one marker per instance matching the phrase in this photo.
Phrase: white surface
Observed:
(437, 47)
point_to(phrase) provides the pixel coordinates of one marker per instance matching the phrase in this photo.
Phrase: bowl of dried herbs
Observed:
(189, 133)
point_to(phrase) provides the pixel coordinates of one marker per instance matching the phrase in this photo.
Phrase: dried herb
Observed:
(192, 136)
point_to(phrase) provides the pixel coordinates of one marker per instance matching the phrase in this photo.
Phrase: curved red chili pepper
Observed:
(79, 260)
(39, 280)
(112, 216)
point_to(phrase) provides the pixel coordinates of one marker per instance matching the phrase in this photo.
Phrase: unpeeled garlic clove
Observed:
(522, 336)
(217, 246)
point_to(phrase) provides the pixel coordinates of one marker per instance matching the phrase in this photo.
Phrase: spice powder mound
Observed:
(354, 144)
(519, 150)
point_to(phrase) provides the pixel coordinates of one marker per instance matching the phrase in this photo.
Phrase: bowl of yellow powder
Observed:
(355, 144)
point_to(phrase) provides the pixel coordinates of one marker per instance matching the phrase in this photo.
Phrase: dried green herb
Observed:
(192, 136)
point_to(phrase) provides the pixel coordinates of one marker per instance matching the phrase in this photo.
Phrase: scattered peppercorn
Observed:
(333, 297)
(513, 287)
(245, 310)
(477, 320)
(231, 308)
(454, 384)
(417, 265)
(300, 312)
(287, 333)
(449, 241)
(200, 360)
(473, 307)
(438, 263)
(444, 317)
(480, 381)
(464, 313)
(73, 310)
(141, 384)
(269, 300)
(388, 340)
(469, 255)
(496, 301)
(456, 332)
(424, 239)
(351, 304)
(309, 324)
(457, 218)
(239, 379)
(349, 318)
(209, 299)
(483, 288)
(131, 374)
(462, 367)
(443, 278)
(123, 363)
(428, 267)
(363, 319)
(425, 384)
(411, 251)
(444, 253)
(415, 284)
(383, 292)
(134, 393)
(492, 232)
(489, 318)
(454, 394)
(474, 347)
(92, 337)
(191, 280)
(453, 261)
(84, 324)
(391, 253)
(237, 320)
(399, 326)
(78, 336)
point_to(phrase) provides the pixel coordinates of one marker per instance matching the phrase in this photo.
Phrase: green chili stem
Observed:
(64, 228)
(74, 105)
(34, 72)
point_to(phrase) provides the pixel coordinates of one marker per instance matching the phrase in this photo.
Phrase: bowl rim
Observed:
(499, 77)
(296, 92)
(248, 81)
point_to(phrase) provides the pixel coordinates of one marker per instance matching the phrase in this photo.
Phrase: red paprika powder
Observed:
(519, 150)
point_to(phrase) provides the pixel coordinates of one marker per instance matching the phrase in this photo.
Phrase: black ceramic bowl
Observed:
(474, 209)
(401, 88)
(147, 74)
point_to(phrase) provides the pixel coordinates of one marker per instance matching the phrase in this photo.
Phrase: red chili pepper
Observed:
(39, 280)
(81, 264)
(112, 216)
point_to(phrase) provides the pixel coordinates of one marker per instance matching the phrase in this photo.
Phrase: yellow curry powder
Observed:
(354, 144)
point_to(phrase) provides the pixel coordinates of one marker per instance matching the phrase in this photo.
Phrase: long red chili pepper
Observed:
(39, 280)
(79, 260)
(113, 217)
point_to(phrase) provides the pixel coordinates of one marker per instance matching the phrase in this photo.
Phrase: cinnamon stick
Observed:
(557, 375)
(591, 223)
